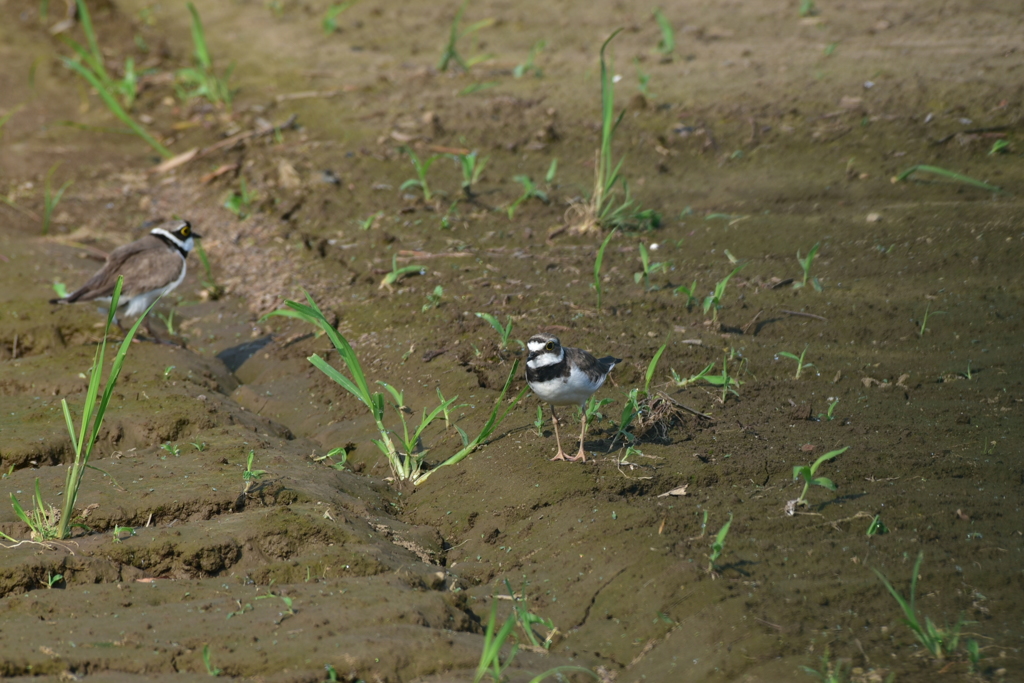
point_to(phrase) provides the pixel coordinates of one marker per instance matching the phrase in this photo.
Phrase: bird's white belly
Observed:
(138, 304)
(562, 391)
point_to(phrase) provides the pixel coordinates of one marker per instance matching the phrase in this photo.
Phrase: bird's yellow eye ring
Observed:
(550, 346)
(185, 231)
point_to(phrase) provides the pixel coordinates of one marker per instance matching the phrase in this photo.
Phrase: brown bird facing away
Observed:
(151, 266)
(564, 376)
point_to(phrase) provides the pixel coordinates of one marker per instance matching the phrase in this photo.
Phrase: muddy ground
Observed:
(762, 134)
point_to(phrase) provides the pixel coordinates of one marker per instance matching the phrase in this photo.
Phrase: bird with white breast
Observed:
(151, 266)
(562, 376)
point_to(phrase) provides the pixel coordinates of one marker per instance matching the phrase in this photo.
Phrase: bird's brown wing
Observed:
(138, 262)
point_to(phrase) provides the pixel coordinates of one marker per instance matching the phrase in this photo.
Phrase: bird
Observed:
(562, 376)
(151, 266)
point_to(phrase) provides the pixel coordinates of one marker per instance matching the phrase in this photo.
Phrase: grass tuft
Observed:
(938, 641)
(45, 522)
(202, 80)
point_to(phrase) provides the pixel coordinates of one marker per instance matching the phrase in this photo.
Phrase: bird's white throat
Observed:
(546, 359)
(186, 245)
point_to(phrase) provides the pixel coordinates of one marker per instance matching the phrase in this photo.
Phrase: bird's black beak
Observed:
(533, 354)
(196, 236)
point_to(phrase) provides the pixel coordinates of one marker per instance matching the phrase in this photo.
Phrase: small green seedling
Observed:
(651, 367)
(630, 411)
(51, 197)
(172, 449)
(52, 580)
(999, 147)
(213, 290)
(340, 453)
(503, 331)
(526, 619)
(167, 372)
(690, 292)
(805, 263)
(450, 53)
(202, 80)
(647, 268)
(877, 527)
(626, 455)
(530, 191)
(807, 8)
(238, 202)
(808, 474)
(494, 640)
(539, 422)
(549, 177)
(938, 641)
(472, 167)
(288, 610)
(713, 301)
(449, 408)
(168, 321)
(206, 662)
(830, 414)
(723, 379)
(830, 672)
(330, 20)
(642, 79)
(718, 545)
(118, 530)
(924, 320)
(598, 261)
(593, 406)
(800, 364)
(973, 654)
(683, 383)
(60, 289)
(422, 168)
(249, 475)
(397, 273)
(369, 221)
(199, 445)
(526, 67)
(667, 43)
(433, 299)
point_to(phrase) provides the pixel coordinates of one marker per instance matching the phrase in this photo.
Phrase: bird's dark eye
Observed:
(550, 346)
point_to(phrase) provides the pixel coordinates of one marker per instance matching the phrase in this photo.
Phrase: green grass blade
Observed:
(115, 107)
(668, 38)
(70, 424)
(199, 38)
(827, 456)
(493, 422)
(347, 384)
(651, 368)
(96, 57)
(952, 175)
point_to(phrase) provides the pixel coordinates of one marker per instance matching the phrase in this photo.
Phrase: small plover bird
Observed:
(151, 266)
(563, 376)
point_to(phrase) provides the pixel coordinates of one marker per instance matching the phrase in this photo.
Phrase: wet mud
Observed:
(763, 134)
